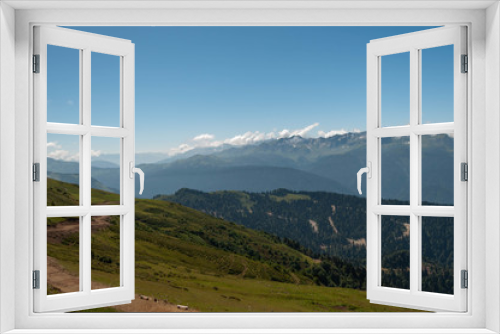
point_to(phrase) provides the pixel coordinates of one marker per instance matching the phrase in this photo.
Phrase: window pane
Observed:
(105, 252)
(105, 171)
(63, 170)
(105, 90)
(63, 85)
(63, 255)
(437, 84)
(396, 252)
(395, 170)
(437, 170)
(437, 254)
(395, 89)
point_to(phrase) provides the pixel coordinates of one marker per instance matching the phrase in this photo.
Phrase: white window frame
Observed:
(414, 43)
(483, 21)
(86, 44)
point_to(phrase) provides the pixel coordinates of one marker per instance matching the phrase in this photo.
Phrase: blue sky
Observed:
(243, 84)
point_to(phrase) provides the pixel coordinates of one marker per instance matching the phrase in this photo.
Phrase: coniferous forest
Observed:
(334, 226)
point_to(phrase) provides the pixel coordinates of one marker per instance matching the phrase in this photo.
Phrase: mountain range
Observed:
(296, 163)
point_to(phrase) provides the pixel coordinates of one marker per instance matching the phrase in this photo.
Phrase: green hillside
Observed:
(334, 225)
(186, 257)
(324, 222)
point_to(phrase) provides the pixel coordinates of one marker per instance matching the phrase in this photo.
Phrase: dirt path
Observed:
(330, 220)
(141, 305)
(56, 233)
(245, 269)
(357, 242)
(64, 281)
(314, 225)
(295, 278)
(60, 278)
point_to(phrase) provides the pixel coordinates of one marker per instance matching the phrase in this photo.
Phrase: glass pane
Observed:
(395, 170)
(105, 171)
(105, 90)
(395, 89)
(437, 84)
(437, 170)
(396, 252)
(437, 254)
(63, 255)
(63, 85)
(63, 170)
(105, 252)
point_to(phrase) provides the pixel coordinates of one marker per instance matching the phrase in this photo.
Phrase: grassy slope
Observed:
(186, 257)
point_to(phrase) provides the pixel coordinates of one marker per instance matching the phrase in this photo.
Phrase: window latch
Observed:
(139, 171)
(368, 171)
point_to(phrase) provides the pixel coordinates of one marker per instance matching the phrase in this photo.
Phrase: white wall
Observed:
(492, 166)
(7, 161)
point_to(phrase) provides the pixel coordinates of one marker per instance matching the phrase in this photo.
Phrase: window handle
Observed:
(368, 171)
(141, 175)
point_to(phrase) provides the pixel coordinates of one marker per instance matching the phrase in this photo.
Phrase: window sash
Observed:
(86, 297)
(414, 297)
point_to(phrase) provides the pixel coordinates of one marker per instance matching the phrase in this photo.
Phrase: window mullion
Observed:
(81, 232)
(415, 160)
(85, 174)
(86, 139)
(85, 254)
(434, 129)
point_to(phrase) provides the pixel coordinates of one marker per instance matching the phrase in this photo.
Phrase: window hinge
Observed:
(36, 172)
(36, 279)
(464, 171)
(36, 63)
(465, 64)
(465, 279)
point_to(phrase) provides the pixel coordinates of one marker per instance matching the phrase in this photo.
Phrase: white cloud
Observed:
(248, 138)
(181, 149)
(55, 151)
(332, 133)
(53, 144)
(204, 136)
(300, 132)
(63, 155)
(208, 140)
(95, 153)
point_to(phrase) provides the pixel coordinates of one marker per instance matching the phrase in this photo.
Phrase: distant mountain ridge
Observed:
(297, 163)
(249, 178)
